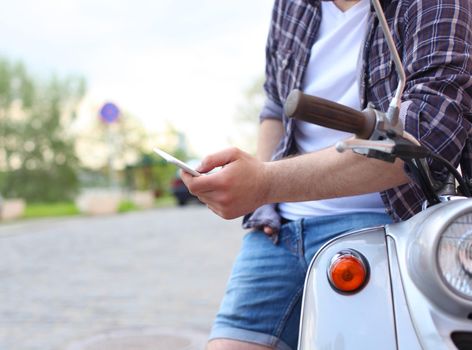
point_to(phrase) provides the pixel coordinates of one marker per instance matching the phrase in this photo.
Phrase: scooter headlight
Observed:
(440, 256)
(455, 256)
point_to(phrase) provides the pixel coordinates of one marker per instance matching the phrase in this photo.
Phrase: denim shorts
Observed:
(262, 302)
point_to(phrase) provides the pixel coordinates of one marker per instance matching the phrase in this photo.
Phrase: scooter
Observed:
(406, 285)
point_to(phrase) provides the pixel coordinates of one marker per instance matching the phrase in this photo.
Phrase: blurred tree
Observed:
(164, 173)
(247, 114)
(37, 153)
(108, 148)
(151, 171)
(135, 165)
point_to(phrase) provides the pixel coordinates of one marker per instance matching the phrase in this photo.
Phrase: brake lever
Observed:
(364, 146)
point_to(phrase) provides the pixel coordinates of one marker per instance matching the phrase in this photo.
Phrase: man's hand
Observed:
(238, 188)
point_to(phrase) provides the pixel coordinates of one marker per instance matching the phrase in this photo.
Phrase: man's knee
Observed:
(226, 344)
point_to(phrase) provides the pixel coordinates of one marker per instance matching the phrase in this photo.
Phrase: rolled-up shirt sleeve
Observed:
(271, 110)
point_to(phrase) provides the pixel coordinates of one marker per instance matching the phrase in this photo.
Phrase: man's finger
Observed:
(201, 184)
(268, 230)
(218, 159)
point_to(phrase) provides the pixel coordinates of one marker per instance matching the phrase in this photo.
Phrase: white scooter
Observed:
(402, 286)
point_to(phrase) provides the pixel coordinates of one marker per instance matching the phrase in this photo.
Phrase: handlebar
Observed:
(329, 114)
(332, 115)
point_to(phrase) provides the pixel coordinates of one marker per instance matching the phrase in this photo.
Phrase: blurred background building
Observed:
(186, 77)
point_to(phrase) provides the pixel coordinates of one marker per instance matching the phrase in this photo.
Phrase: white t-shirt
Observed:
(333, 73)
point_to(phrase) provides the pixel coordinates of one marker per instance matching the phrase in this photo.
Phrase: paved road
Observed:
(143, 280)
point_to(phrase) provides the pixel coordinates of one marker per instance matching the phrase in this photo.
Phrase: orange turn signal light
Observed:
(348, 271)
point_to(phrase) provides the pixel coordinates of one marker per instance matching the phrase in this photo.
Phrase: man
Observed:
(309, 193)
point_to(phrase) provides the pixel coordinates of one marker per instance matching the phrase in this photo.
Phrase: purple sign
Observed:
(109, 112)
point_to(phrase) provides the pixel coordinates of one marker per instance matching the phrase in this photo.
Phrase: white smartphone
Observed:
(179, 163)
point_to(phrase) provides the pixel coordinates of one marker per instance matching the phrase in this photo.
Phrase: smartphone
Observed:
(179, 163)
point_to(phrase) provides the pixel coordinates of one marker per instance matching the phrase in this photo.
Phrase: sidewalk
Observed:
(143, 280)
(144, 339)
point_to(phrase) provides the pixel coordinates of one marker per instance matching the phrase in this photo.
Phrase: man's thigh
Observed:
(319, 230)
(262, 301)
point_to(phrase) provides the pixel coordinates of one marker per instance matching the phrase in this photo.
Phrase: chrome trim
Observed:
(394, 107)
(463, 254)
(442, 198)
(423, 264)
(406, 332)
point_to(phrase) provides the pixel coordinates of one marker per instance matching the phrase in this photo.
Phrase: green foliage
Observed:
(163, 175)
(92, 178)
(153, 173)
(126, 206)
(165, 201)
(39, 210)
(37, 152)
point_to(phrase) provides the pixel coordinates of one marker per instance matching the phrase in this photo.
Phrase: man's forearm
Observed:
(270, 133)
(244, 183)
(329, 174)
(323, 174)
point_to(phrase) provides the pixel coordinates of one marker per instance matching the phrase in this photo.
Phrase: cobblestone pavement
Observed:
(143, 280)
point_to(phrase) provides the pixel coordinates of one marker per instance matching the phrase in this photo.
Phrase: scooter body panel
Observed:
(365, 320)
(404, 305)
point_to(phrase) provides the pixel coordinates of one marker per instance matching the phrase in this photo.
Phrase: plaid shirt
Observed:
(434, 40)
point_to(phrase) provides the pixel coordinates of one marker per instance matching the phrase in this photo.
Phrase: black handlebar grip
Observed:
(329, 114)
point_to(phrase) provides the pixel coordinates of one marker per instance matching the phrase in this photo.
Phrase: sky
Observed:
(184, 62)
